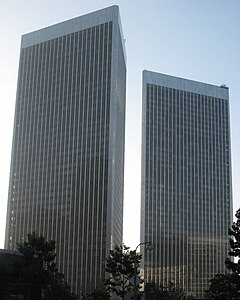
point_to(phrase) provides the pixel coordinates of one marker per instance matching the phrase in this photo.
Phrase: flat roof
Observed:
(185, 84)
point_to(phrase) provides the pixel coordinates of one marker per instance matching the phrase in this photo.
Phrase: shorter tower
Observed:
(186, 199)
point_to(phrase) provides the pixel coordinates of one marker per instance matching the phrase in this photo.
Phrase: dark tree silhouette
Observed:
(100, 293)
(40, 270)
(120, 266)
(227, 286)
(234, 232)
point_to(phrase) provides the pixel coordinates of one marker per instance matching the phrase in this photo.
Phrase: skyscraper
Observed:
(66, 178)
(186, 181)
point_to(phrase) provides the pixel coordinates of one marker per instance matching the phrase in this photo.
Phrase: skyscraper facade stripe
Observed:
(66, 177)
(186, 181)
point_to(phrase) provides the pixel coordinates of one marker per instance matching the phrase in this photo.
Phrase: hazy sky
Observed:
(194, 39)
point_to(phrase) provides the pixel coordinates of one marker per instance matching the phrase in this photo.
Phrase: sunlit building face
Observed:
(186, 181)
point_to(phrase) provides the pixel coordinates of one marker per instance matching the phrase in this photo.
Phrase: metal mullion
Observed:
(181, 254)
(38, 138)
(205, 185)
(221, 140)
(220, 143)
(190, 226)
(53, 147)
(172, 191)
(220, 182)
(227, 173)
(180, 189)
(146, 178)
(192, 176)
(60, 165)
(187, 176)
(68, 128)
(71, 150)
(163, 271)
(182, 186)
(73, 198)
(149, 179)
(105, 113)
(158, 188)
(88, 155)
(46, 136)
(94, 147)
(40, 111)
(87, 158)
(103, 163)
(75, 154)
(176, 130)
(204, 191)
(213, 170)
(227, 131)
(185, 184)
(26, 146)
(18, 149)
(200, 203)
(167, 198)
(195, 163)
(199, 168)
(50, 120)
(194, 182)
(210, 246)
(83, 247)
(13, 205)
(173, 265)
(152, 171)
(228, 176)
(79, 165)
(57, 152)
(97, 145)
(64, 131)
(178, 168)
(32, 139)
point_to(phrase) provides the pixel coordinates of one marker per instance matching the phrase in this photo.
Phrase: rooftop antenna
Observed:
(223, 85)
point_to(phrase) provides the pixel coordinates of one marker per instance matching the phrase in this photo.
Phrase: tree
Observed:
(39, 259)
(120, 266)
(40, 270)
(234, 241)
(227, 286)
(100, 293)
(169, 292)
(224, 286)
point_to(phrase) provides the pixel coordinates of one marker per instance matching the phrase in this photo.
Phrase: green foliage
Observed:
(58, 289)
(98, 294)
(39, 260)
(234, 241)
(224, 286)
(120, 266)
(169, 292)
(227, 286)
(40, 269)
(38, 247)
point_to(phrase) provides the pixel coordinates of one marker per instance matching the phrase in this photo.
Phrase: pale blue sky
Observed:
(195, 39)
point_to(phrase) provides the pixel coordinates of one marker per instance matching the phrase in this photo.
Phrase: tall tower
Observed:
(186, 181)
(67, 166)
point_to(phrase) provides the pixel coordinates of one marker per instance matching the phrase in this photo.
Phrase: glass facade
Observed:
(186, 181)
(66, 179)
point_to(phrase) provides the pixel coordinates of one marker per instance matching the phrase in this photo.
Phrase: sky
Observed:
(194, 39)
